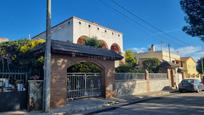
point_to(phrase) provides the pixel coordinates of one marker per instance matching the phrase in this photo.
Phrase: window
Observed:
(105, 30)
(69, 23)
(97, 28)
(79, 22)
(89, 26)
(118, 35)
(112, 33)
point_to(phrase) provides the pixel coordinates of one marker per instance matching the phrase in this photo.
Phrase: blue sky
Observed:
(19, 18)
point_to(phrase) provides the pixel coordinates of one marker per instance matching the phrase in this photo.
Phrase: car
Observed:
(193, 85)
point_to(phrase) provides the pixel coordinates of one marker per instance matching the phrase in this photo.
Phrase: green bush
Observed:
(84, 67)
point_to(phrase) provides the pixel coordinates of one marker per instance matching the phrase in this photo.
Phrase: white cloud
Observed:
(194, 51)
(186, 51)
(139, 50)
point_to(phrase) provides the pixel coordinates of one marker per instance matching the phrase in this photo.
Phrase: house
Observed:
(189, 67)
(169, 60)
(161, 55)
(3, 40)
(76, 30)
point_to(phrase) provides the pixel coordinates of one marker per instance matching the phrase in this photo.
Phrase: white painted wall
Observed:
(71, 30)
(110, 36)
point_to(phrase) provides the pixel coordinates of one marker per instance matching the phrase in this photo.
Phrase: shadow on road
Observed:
(180, 104)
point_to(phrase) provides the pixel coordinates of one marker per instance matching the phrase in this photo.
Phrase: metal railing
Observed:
(12, 78)
(158, 76)
(129, 76)
(84, 85)
(10, 82)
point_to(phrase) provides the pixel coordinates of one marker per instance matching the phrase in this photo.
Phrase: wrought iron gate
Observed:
(84, 85)
(13, 87)
(13, 91)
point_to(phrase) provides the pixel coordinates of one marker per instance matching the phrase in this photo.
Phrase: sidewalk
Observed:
(128, 100)
(95, 105)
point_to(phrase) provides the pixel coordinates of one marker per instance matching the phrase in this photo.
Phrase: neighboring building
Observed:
(168, 59)
(161, 55)
(77, 30)
(3, 40)
(189, 67)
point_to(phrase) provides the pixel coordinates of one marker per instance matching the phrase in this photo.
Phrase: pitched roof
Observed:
(3, 39)
(61, 47)
(186, 58)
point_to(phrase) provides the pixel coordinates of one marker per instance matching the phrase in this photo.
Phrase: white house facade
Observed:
(76, 30)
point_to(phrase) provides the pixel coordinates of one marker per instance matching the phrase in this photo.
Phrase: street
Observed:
(178, 104)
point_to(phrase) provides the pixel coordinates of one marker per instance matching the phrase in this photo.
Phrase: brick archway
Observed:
(103, 44)
(81, 40)
(115, 47)
(60, 63)
(65, 54)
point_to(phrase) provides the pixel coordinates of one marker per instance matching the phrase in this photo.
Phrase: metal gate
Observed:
(84, 85)
(13, 87)
(13, 91)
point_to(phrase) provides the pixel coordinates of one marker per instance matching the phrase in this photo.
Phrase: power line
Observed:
(126, 16)
(146, 22)
(131, 19)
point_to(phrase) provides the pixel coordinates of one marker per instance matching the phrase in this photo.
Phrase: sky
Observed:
(21, 18)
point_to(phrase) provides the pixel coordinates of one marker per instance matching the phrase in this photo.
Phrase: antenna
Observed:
(161, 45)
(169, 52)
(29, 36)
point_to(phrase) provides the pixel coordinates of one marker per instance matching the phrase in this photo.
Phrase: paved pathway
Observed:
(179, 104)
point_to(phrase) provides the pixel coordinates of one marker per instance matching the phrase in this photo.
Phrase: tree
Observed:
(84, 67)
(194, 10)
(199, 65)
(124, 68)
(93, 42)
(130, 58)
(18, 53)
(130, 64)
(151, 64)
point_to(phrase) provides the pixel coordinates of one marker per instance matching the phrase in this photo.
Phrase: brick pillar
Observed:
(168, 73)
(109, 82)
(147, 80)
(146, 75)
(58, 82)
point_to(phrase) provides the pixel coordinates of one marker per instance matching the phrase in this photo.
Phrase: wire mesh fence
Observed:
(157, 75)
(129, 76)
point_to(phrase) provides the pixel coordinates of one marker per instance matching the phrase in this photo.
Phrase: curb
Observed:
(120, 105)
(124, 104)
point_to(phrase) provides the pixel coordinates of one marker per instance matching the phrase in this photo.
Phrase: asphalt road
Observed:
(178, 104)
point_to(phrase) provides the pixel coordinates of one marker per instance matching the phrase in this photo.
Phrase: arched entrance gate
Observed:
(63, 86)
(85, 79)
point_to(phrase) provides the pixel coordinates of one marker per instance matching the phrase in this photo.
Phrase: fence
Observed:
(139, 76)
(13, 87)
(158, 76)
(140, 83)
(129, 76)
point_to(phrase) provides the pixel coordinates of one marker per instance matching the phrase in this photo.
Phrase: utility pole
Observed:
(202, 65)
(47, 62)
(169, 52)
(161, 46)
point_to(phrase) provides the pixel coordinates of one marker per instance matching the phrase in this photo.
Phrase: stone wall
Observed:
(60, 63)
(137, 87)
